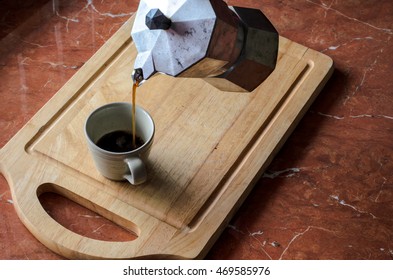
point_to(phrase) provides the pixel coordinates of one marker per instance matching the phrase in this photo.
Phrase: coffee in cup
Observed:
(110, 141)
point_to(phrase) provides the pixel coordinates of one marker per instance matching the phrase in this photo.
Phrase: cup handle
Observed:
(138, 174)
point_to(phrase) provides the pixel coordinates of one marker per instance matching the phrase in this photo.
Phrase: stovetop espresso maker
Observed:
(232, 48)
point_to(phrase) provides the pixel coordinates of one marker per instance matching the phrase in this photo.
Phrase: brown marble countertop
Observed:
(328, 194)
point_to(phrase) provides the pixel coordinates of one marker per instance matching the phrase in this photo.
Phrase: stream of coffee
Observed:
(134, 88)
(120, 141)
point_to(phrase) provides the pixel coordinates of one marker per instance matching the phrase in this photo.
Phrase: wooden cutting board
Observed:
(210, 148)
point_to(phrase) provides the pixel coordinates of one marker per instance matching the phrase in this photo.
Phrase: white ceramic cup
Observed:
(116, 166)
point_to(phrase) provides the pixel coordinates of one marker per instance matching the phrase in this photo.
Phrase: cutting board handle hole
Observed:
(81, 220)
